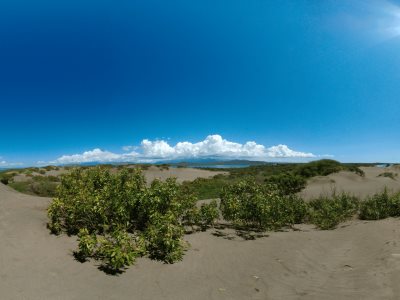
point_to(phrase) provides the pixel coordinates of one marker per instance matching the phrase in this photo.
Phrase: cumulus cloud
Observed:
(213, 146)
(95, 155)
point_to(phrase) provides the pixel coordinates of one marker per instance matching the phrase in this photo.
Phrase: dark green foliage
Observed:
(328, 212)
(380, 206)
(395, 205)
(42, 186)
(163, 167)
(208, 214)
(164, 238)
(325, 167)
(389, 175)
(207, 188)
(115, 208)
(290, 177)
(355, 169)
(94, 197)
(260, 206)
(288, 183)
(117, 249)
(51, 168)
(87, 244)
(6, 178)
(298, 209)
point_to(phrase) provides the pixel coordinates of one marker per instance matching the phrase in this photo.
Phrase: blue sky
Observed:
(318, 77)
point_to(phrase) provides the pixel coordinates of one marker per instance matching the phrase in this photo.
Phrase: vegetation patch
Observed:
(260, 206)
(290, 178)
(328, 212)
(380, 206)
(390, 175)
(42, 186)
(288, 183)
(325, 167)
(118, 217)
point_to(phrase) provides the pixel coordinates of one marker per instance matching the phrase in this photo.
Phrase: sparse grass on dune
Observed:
(42, 186)
(291, 175)
(390, 175)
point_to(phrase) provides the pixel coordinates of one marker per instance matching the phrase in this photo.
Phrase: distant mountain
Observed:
(235, 162)
(186, 162)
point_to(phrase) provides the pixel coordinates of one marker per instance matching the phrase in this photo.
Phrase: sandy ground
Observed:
(352, 183)
(181, 174)
(359, 260)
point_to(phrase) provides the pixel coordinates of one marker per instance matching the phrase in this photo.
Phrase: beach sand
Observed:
(352, 183)
(358, 260)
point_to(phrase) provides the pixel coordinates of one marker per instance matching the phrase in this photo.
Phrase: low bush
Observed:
(288, 183)
(325, 167)
(261, 206)
(42, 186)
(109, 211)
(164, 238)
(328, 212)
(6, 178)
(208, 214)
(298, 209)
(390, 175)
(380, 206)
(116, 250)
(207, 188)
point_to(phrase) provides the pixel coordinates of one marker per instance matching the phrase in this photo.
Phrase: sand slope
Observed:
(181, 174)
(360, 260)
(352, 183)
(153, 172)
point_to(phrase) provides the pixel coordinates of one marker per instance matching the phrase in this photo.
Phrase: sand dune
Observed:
(352, 183)
(360, 260)
(181, 174)
(153, 172)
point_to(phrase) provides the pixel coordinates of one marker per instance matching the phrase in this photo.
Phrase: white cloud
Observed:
(95, 155)
(214, 146)
(283, 151)
(5, 164)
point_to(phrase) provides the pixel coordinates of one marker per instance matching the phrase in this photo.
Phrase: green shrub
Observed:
(87, 244)
(328, 212)
(261, 206)
(6, 178)
(41, 186)
(164, 238)
(390, 175)
(297, 209)
(395, 205)
(56, 212)
(321, 167)
(116, 208)
(380, 206)
(325, 167)
(288, 183)
(207, 188)
(116, 250)
(208, 214)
